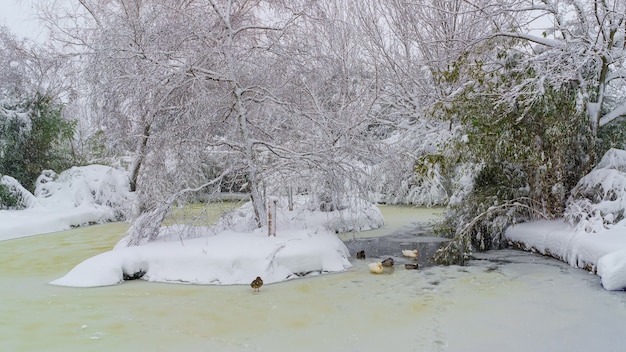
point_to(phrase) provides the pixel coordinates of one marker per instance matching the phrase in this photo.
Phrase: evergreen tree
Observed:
(34, 137)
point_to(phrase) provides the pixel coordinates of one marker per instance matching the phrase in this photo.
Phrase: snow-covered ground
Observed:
(78, 196)
(224, 259)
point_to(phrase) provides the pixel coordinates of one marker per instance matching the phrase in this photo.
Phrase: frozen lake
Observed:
(508, 300)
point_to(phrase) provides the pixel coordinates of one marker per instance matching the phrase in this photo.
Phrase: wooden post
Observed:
(271, 217)
(290, 197)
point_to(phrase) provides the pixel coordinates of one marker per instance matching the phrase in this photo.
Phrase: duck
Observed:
(387, 262)
(256, 284)
(375, 268)
(410, 253)
(411, 266)
(360, 255)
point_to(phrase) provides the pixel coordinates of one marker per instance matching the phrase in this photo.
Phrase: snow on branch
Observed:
(618, 111)
(533, 38)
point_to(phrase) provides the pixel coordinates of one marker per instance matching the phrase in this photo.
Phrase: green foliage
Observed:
(34, 137)
(612, 135)
(8, 199)
(532, 147)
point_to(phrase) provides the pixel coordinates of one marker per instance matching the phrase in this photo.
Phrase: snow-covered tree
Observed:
(531, 104)
(34, 135)
(577, 42)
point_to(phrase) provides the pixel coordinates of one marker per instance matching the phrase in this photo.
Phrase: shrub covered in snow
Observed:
(14, 195)
(97, 185)
(599, 199)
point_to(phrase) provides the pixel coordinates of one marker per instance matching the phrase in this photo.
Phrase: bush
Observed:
(34, 136)
(7, 199)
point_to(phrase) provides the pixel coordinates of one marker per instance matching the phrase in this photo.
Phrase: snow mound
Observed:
(234, 251)
(85, 185)
(224, 259)
(612, 269)
(78, 196)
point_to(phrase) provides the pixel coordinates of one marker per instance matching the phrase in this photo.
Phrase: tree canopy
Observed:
(493, 107)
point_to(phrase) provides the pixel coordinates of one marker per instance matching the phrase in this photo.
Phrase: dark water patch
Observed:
(392, 245)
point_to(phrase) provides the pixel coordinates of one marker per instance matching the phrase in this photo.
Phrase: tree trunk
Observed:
(136, 165)
(258, 201)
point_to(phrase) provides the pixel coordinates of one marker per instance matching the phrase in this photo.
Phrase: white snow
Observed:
(233, 251)
(601, 252)
(224, 259)
(78, 196)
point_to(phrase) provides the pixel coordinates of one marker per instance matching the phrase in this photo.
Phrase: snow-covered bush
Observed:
(93, 185)
(34, 135)
(14, 195)
(599, 199)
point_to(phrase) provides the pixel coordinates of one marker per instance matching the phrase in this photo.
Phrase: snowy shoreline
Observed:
(602, 253)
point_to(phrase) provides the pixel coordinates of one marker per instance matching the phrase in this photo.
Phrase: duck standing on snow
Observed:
(410, 253)
(375, 268)
(256, 284)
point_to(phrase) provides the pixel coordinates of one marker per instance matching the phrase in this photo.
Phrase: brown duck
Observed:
(411, 266)
(387, 262)
(256, 284)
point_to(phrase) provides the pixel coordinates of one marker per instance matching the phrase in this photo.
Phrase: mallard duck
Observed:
(410, 253)
(375, 268)
(387, 262)
(411, 266)
(256, 284)
(360, 255)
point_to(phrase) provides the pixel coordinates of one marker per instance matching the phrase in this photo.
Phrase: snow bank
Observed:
(603, 251)
(30, 222)
(224, 259)
(612, 270)
(78, 196)
(359, 215)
